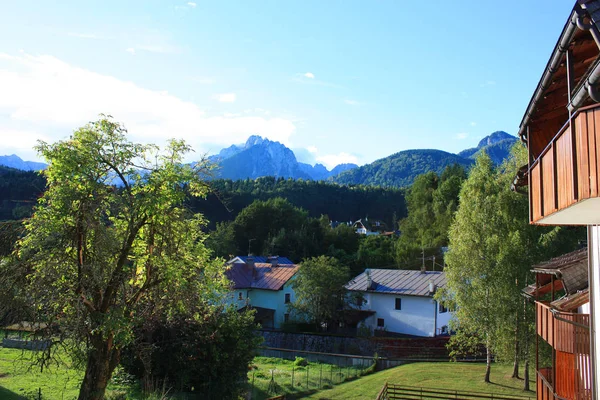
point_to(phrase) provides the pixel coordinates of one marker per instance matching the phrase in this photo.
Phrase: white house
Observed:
(260, 259)
(265, 287)
(402, 301)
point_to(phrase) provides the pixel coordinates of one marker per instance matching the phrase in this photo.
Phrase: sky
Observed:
(337, 81)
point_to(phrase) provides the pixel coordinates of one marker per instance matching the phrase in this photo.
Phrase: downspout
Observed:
(435, 309)
(591, 277)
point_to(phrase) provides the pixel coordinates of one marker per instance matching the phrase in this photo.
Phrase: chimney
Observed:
(423, 269)
(250, 262)
(432, 287)
(274, 261)
(369, 280)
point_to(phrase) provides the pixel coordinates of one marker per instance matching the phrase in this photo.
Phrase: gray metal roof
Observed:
(398, 281)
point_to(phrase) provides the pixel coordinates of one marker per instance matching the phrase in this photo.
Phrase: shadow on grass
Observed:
(513, 387)
(6, 394)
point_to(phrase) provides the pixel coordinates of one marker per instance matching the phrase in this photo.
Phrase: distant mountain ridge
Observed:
(14, 161)
(262, 157)
(402, 168)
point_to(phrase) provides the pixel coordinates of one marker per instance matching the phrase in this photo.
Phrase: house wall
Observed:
(273, 299)
(419, 316)
(594, 276)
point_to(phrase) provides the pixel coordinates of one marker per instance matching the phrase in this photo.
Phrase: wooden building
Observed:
(561, 128)
(561, 296)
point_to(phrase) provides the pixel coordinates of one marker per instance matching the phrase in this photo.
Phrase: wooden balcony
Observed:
(569, 335)
(565, 332)
(564, 179)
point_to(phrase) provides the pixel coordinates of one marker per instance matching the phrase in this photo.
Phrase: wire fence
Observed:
(264, 384)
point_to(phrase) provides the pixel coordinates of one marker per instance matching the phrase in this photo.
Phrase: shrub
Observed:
(300, 362)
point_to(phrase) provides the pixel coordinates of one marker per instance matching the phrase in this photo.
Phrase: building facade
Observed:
(401, 301)
(561, 128)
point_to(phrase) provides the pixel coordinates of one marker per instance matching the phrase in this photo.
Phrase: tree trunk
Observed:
(102, 361)
(526, 376)
(515, 373)
(488, 366)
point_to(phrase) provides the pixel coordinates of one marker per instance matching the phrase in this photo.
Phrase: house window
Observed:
(398, 304)
(444, 330)
(380, 322)
(287, 298)
(240, 296)
(286, 317)
(443, 309)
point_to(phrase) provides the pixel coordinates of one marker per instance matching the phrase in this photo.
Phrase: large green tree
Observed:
(108, 237)
(492, 248)
(320, 293)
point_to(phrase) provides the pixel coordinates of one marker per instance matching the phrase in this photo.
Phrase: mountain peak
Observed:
(494, 138)
(255, 140)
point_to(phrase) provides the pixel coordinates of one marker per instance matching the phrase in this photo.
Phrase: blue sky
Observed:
(341, 81)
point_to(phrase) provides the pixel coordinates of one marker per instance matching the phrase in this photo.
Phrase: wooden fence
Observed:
(392, 392)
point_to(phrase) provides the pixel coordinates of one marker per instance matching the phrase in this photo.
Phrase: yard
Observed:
(445, 375)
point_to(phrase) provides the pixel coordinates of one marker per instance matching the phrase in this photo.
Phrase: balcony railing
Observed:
(569, 335)
(567, 170)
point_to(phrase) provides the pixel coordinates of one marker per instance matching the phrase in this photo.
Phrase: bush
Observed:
(208, 355)
(300, 362)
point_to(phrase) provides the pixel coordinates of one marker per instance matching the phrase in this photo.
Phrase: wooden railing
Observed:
(391, 392)
(568, 168)
(565, 332)
(569, 335)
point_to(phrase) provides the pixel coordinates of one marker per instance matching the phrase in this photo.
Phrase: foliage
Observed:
(300, 362)
(206, 352)
(341, 203)
(18, 192)
(108, 236)
(401, 169)
(432, 202)
(492, 249)
(319, 288)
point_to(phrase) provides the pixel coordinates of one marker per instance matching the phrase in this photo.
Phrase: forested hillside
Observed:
(339, 203)
(401, 169)
(19, 191)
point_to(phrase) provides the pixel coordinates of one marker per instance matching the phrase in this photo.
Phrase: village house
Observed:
(264, 287)
(561, 128)
(401, 301)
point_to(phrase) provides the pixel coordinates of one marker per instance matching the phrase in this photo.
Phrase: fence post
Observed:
(252, 392)
(307, 377)
(293, 368)
(331, 374)
(321, 376)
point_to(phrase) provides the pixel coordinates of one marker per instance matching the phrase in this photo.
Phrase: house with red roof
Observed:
(265, 287)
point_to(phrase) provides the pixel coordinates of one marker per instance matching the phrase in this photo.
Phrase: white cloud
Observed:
(44, 97)
(130, 50)
(473, 123)
(331, 160)
(351, 102)
(309, 75)
(191, 4)
(312, 149)
(462, 135)
(225, 97)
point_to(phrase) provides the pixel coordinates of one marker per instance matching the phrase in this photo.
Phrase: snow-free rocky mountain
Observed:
(263, 157)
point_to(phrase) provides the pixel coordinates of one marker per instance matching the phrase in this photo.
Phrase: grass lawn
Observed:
(442, 375)
(273, 376)
(20, 380)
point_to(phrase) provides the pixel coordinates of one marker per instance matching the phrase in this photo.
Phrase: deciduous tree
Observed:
(109, 233)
